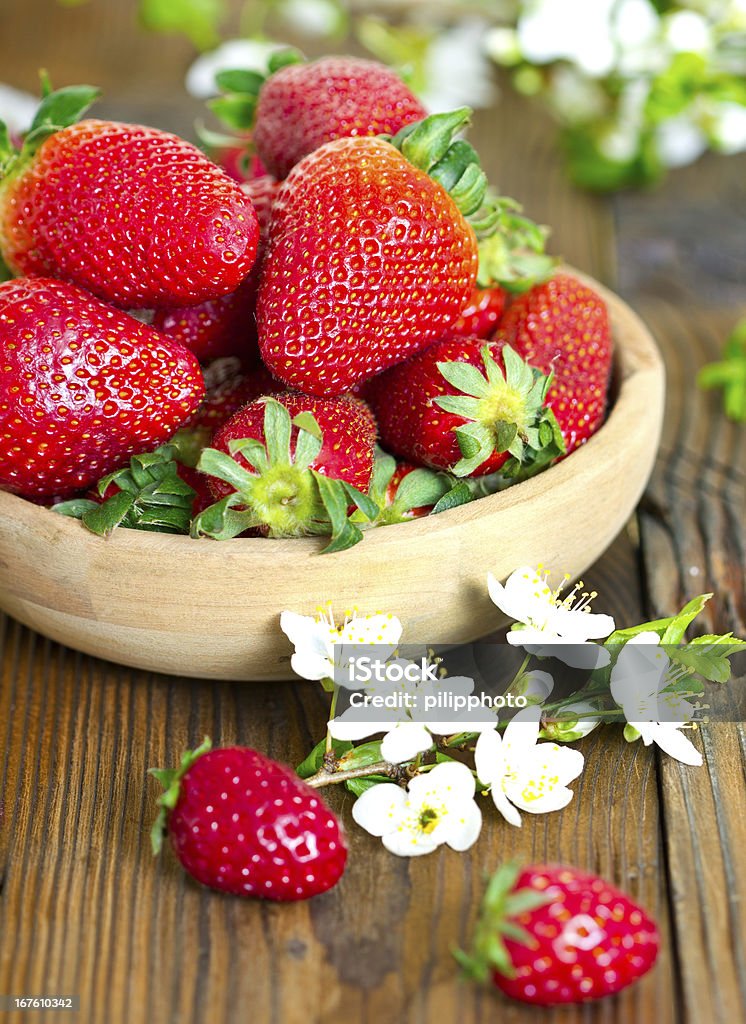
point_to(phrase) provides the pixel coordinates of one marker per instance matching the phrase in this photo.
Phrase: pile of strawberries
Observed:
(364, 287)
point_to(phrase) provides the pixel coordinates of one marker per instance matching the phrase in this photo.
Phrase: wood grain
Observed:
(85, 909)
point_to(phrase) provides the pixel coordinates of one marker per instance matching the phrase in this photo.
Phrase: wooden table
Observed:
(84, 907)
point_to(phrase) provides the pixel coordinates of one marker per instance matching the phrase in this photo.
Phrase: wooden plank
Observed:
(685, 265)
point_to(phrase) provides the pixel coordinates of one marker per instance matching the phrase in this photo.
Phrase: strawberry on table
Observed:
(290, 465)
(301, 106)
(562, 326)
(465, 406)
(82, 387)
(244, 824)
(550, 934)
(139, 217)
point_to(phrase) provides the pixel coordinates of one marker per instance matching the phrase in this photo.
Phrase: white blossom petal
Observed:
(404, 742)
(380, 809)
(488, 757)
(505, 807)
(464, 831)
(450, 780)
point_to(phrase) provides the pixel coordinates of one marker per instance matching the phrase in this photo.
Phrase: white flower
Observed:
(680, 141)
(534, 685)
(17, 108)
(408, 725)
(641, 674)
(550, 624)
(522, 773)
(574, 30)
(438, 807)
(687, 32)
(729, 127)
(245, 54)
(312, 17)
(457, 70)
(319, 643)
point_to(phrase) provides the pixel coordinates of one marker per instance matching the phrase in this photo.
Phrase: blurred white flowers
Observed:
(522, 773)
(320, 644)
(639, 684)
(437, 807)
(550, 623)
(17, 108)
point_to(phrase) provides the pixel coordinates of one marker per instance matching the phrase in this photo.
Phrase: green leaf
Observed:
(676, 629)
(216, 463)
(333, 496)
(240, 80)
(284, 58)
(253, 451)
(366, 505)
(75, 507)
(62, 108)
(359, 786)
(476, 443)
(420, 488)
(278, 429)
(361, 756)
(199, 20)
(729, 374)
(103, 519)
(222, 521)
(461, 494)
(465, 378)
(235, 110)
(709, 656)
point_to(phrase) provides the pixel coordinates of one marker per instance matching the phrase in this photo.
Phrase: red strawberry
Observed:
(562, 326)
(244, 824)
(288, 465)
(135, 215)
(303, 106)
(216, 328)
(481, 315)
(370, 258)
(551, 935)
(222, 401)
(262, 192)
(464, 406)
(82, 387)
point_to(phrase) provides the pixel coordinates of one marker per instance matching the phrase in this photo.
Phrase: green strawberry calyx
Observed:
(57, 110)
(240, 88)
(279, 491)
(170, 779)
(511, 247)
(501, 905)
(505, 412)
(421, 488)
(148, 495)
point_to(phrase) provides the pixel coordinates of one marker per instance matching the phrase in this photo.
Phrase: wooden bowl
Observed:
(209, 609)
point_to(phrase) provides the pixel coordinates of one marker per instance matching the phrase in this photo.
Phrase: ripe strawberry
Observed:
(226, 326)
(135, 215)
(370, 258)
(262, 191)
(563, 326)
(216, 328)
(481, 315)
(222, 400)
(549, 935)
(82, 387)
(288, 465)
(300, 106)
(464, 406)
(244, 824)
